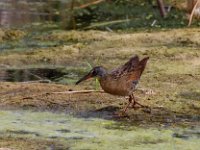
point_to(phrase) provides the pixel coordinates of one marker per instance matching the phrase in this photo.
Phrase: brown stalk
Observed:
(192, 13)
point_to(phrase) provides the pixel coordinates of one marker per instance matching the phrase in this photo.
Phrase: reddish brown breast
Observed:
(116, 87)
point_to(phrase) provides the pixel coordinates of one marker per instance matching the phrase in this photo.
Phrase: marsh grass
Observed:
(97, 84)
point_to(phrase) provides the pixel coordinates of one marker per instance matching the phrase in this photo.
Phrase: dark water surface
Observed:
(58, 75)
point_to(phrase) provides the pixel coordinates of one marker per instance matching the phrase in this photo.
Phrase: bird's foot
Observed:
(136, 105)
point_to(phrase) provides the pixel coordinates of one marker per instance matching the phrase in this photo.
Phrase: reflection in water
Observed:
(24, 12)
(58, 75)
(19, 12)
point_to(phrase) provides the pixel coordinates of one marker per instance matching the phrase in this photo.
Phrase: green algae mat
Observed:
(70, 132)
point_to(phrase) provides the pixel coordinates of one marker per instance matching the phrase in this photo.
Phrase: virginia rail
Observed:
(121, 81)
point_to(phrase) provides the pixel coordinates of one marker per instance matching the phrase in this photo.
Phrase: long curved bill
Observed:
(89, 75)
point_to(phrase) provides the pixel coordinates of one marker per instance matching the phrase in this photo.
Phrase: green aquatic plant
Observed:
(97, 84)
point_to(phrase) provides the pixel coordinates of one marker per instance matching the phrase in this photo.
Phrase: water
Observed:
(19, 12)
(94, 133)
(58, 75)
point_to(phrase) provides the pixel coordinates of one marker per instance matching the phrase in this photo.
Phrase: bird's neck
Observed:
(102, 73)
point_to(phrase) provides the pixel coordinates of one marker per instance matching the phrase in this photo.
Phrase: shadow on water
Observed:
(141, 116)
(103, 113)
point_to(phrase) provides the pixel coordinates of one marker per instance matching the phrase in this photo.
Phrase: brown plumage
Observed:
(121, 81)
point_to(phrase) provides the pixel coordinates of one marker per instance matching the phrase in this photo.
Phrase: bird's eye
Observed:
(94, 72)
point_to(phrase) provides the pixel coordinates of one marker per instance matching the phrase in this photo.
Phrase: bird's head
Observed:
(95, 72)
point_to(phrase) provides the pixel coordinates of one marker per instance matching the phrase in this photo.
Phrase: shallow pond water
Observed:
(92, 133)
(58, 75)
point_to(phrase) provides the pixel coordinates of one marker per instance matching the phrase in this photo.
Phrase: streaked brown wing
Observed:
(126, 68)
(136, 73)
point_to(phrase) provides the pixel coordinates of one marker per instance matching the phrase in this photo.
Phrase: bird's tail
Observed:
(142, 64)
(137, 72)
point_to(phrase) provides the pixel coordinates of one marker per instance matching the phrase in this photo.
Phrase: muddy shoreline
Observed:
(53, 98)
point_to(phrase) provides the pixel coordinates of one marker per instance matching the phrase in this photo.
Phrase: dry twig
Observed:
(192, 13)
(79, 92)
(89, 4)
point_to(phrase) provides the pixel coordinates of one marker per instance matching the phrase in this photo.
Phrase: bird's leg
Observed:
(129, 102)
(135, 102)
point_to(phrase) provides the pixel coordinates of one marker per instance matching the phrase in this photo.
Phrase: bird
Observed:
(121, 81)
